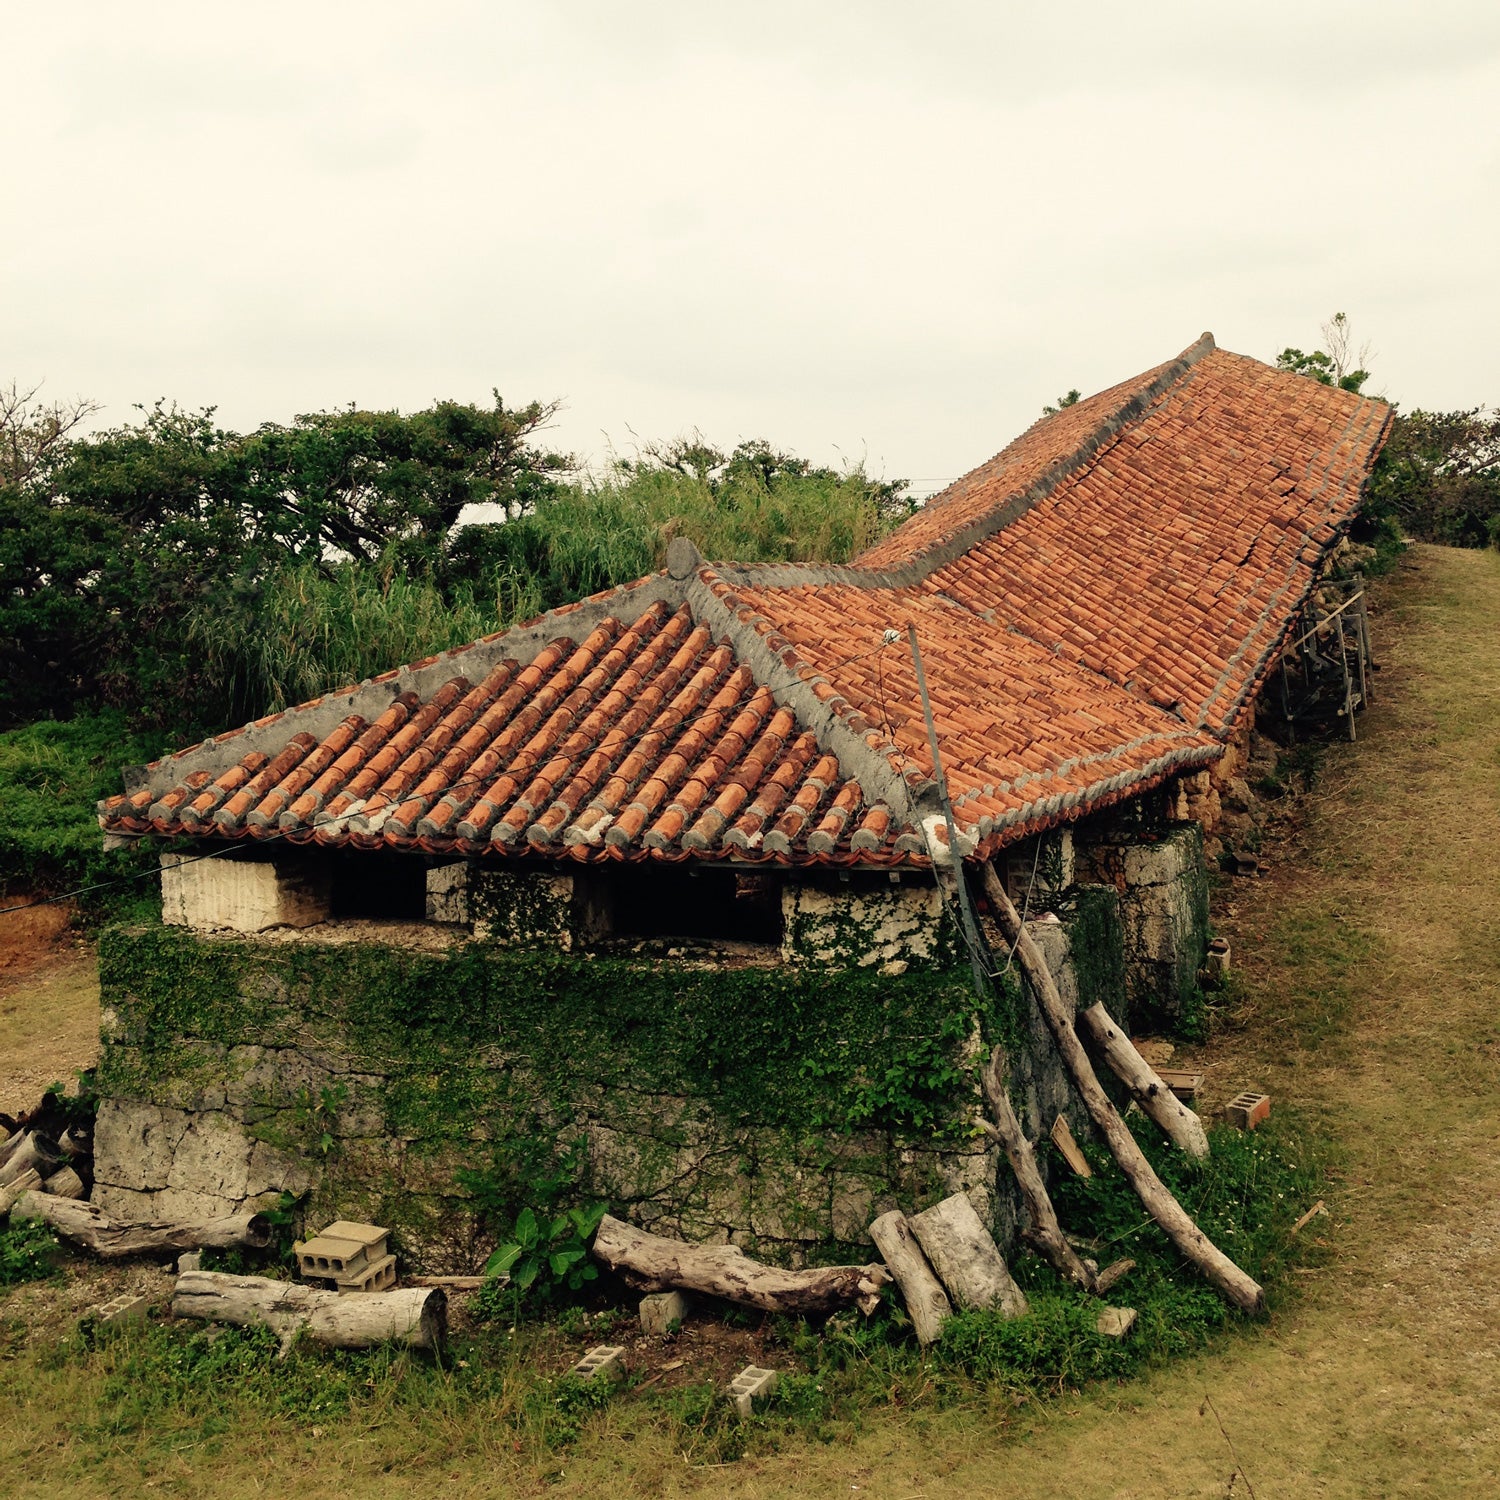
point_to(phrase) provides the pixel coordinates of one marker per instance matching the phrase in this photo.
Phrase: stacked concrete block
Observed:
(348, 1257)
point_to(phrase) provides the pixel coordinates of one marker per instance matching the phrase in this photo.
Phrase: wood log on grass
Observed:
(926, 1302)
(652, 1263)
(13, 1191)
(1045, 1235)
(88, 1226)
(967, 1260)
(33, 1152)
(1178, 1123)
(416, 1317)
(1242, 1290)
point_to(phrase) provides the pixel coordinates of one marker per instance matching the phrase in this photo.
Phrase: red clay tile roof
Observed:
(1096, 606)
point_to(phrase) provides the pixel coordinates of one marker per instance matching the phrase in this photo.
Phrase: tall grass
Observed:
(310, 628)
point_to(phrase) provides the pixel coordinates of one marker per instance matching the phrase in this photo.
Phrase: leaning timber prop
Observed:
(926, 1302)
(88, 1226)
(967, 1260)
(1242, 1290)
(652, 1263)
(416, 1317)
(1178, 1123)
(1044, 1234)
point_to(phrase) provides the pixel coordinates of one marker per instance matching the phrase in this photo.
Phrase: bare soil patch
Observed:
(49, 1004)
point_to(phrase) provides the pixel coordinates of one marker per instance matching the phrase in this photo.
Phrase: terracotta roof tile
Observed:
(1095, 607)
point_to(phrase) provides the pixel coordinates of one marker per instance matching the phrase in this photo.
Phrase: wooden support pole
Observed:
(1242, 1290)
(1180, 1125)
(1045, 1234)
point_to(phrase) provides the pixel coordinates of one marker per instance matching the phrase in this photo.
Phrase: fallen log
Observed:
(1242, 1290)
(1178, 1123)
(88, 1226)
(652, 1263)
(23, 1184)
(967, 1260)
(64, 1183)
(1045, 1234)
(414, 1316)
(926, 1301)
(33, 1152)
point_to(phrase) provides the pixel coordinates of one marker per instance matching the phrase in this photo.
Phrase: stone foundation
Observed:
(370, 1079)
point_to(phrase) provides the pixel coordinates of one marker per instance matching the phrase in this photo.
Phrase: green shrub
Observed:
(27, 1252)
(51, 776)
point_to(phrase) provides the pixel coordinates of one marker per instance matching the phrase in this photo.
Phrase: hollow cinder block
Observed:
(604, 1361)
(661, 1310)
(752, 1384)
(1246, 1111)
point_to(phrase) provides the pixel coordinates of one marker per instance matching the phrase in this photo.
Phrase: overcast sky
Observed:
(889, 230)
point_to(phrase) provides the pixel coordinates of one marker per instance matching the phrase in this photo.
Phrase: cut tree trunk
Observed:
(87, 1226)
(926, 1301)
(1242, 1290)
(34, 1152)
(11, 1192)
(1180, 1125)
(64, 1183)
(1045, 1234)
(652, 1263)
(966, 1258)
(414, 1316)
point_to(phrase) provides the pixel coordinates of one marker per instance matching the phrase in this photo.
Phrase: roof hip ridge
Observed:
(939, 554)
(731, 619)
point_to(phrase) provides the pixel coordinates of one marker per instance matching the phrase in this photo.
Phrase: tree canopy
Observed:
(193, 575)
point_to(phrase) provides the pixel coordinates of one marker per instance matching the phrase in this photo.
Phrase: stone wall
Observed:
(890, 926)
(1163, 892)
(780, 1108)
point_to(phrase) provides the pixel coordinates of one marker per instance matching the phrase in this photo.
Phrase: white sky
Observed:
(882, 229)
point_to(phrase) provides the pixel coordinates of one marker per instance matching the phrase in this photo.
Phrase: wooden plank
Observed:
(1062, 1138)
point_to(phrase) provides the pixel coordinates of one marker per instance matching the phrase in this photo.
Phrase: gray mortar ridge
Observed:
(878, 778)
(940, 554)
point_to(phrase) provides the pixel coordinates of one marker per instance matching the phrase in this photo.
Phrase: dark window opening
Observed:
(717, 905)
(380, 886)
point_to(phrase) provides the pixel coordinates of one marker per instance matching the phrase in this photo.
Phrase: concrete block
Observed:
(241, 895)
(661, 1311)
(380, 1276)
(1116, 1322)
(752, 1384)
(189, 1260)
(121, 1310)
(1246, 1111)
(343, 1251)
(604, 1361)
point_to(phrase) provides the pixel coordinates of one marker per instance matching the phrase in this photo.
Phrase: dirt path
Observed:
(49, 1005)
